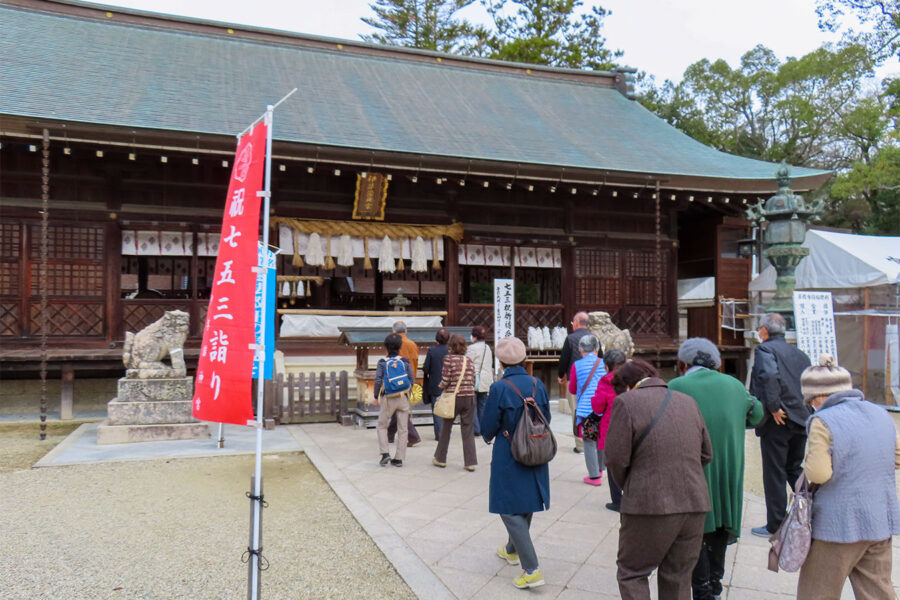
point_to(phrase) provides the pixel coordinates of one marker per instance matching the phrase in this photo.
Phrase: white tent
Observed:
(841, 260)
(697, 292)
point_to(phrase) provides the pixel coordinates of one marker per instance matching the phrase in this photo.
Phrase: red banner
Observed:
(222, 387)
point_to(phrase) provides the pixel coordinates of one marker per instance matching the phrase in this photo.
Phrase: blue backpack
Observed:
(396, 379)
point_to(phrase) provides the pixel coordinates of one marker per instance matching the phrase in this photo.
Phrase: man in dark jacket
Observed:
(775, 381)
(568, 355)
(431, 374)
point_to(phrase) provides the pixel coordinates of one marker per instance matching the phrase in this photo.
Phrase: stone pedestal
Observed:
(150, 410)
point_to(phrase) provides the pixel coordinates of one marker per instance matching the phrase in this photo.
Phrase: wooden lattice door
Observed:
(75, 281)
(10, 279)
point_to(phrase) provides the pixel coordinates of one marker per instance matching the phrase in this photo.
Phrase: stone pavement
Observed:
(433, 524)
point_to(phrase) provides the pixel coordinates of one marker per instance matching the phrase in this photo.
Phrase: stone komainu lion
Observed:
(145, 350)
(610, 336)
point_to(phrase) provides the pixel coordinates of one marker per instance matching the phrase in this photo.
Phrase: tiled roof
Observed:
(107, 72)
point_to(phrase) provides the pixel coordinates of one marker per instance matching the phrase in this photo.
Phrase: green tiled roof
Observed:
(105, 72)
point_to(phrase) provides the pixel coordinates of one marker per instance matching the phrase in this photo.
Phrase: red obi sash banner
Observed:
(222, 386)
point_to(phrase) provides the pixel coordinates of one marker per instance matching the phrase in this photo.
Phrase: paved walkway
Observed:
(433, 524)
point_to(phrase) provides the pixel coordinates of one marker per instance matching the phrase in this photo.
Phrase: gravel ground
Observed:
(21, 445)
(177, 528)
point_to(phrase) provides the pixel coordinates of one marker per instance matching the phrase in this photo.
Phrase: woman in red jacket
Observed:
(601, 404)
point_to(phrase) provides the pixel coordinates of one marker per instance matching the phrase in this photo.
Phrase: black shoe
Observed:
(613, 507)
(396, 462)
(385, 459)
(577, 451)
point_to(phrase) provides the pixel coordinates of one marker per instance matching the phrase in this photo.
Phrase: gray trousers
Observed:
(573, 402)
(594, 459)
(520, 539)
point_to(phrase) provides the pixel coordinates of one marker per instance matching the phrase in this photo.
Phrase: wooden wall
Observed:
(616, 255)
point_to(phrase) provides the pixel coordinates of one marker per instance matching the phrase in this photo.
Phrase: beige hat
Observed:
(510, 351)
(826, 379)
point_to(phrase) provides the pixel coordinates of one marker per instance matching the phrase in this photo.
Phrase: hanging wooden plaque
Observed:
(371, 197)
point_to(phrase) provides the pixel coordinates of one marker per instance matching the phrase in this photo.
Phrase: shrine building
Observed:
(395, 172)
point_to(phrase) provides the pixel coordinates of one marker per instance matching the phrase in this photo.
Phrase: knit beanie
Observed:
(824, 380)
(701, 352)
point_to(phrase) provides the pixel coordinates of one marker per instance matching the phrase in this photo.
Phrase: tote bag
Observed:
(445, 407)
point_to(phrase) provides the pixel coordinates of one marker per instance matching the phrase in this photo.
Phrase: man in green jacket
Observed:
(728, 409)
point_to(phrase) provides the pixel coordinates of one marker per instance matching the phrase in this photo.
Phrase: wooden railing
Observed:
(306, 397)
(527, 315)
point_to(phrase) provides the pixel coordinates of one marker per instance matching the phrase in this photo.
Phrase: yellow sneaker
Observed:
(525, 580)
(510, 557)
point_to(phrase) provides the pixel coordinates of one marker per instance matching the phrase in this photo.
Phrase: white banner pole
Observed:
(261, 372)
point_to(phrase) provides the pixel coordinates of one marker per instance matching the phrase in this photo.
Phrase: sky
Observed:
(661, 37)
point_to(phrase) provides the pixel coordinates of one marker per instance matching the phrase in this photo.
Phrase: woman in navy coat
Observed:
(516, 491)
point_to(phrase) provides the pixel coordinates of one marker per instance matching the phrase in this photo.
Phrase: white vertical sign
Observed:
(814, 318)
(892, 364)
(504, 309)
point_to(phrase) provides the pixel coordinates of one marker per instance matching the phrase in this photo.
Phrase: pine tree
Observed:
(428, 24)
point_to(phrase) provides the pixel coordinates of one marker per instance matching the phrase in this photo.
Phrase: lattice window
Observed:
(10, 254)
(68, 242)
(69, 318)
(596, 291)
(136, 315)
(591, 262)
(67, 279)
(643, 321)
(10, 236)
(9, 319)
(9, 278)
(598, 277)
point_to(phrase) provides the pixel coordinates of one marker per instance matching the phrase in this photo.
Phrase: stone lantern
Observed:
(786, 215)
(400, 302)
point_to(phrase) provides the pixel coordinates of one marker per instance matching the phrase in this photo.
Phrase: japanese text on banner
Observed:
(504, 308)
(266, 278)
(222, 386)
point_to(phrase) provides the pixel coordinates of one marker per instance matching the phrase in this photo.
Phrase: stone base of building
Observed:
(124, 434)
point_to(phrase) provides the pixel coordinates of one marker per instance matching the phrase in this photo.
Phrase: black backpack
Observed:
(532, 443)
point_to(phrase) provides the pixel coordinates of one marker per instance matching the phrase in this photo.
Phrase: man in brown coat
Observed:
(660, 470)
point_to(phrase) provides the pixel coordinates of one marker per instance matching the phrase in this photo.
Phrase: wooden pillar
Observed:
(451, 266)
(865, 346)
(196, 325)
(113, 248)
(567, 277)
(673, 275)
(67, 393)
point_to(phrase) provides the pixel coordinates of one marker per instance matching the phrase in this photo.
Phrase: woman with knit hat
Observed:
(852, 452)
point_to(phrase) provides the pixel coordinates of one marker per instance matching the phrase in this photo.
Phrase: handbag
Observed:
(790, 544)
(480, 367)
(590, 427)
(445, 407)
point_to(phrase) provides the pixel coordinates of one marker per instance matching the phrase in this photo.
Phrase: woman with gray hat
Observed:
(852, 452)
(516, 491)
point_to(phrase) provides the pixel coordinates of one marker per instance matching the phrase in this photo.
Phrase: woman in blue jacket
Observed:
(516, 491)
